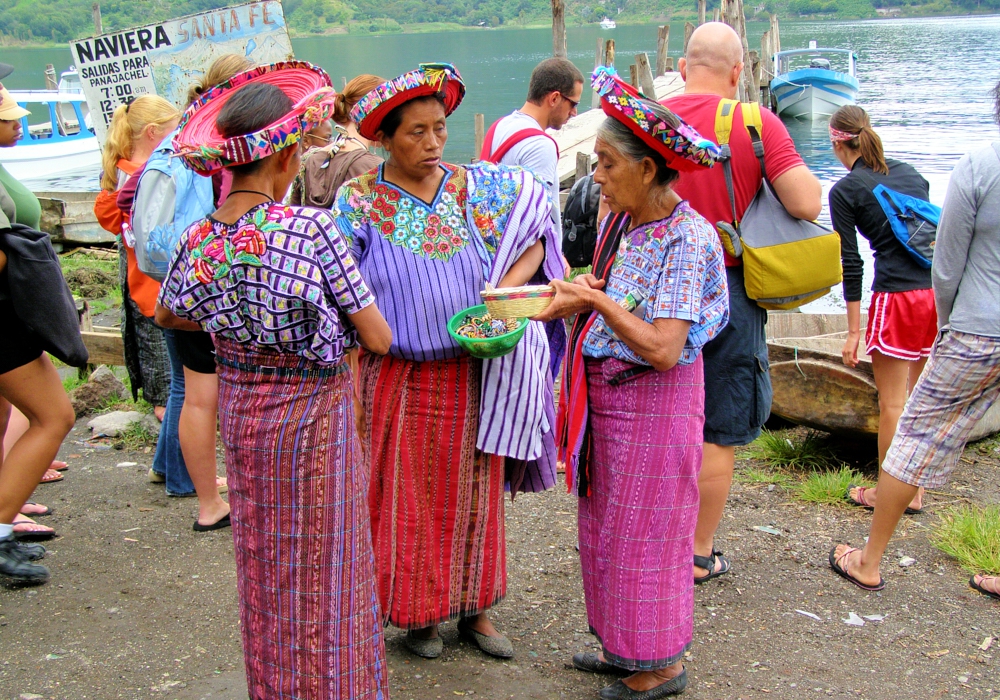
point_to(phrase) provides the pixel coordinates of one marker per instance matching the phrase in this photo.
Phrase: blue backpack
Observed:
(169, 198)
(914, 221)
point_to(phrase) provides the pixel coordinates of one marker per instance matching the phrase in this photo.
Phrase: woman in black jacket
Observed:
(902, 321)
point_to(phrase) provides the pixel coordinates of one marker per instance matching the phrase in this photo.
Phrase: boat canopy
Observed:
(55, 116)
(783, 59)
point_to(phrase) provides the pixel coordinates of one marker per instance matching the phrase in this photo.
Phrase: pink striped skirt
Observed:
(637, 525)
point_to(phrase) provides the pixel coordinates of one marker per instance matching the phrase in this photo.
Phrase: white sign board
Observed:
(166, 58)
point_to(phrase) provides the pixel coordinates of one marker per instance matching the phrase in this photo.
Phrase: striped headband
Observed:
(838, 135)
(206, 151)
(682, 147)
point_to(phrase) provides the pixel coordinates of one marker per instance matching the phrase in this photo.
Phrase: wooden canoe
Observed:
(813, 387)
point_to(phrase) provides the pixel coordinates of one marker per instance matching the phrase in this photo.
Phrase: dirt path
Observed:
(140, 606)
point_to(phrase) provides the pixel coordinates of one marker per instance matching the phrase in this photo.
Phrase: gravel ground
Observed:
(139, 606)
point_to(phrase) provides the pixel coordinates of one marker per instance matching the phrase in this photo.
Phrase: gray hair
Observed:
(634, 149)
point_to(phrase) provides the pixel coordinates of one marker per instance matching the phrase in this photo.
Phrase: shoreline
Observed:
(449, 27)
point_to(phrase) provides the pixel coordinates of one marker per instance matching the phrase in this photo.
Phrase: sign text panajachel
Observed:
(166, 58)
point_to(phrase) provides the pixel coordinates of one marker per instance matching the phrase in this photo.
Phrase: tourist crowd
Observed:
(304, 313)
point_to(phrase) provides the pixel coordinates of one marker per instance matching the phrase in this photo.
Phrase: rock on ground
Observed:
(102, 385)
(117, 422)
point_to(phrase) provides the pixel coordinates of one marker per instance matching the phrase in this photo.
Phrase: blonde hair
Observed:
(222, 69)
(126, 126)
(352, 93)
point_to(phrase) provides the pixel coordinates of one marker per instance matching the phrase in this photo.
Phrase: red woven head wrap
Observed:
(205, 150)
(441, 79)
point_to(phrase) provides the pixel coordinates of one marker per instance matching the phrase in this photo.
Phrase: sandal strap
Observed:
(707, 563)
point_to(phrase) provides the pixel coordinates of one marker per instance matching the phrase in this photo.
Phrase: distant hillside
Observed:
(32, 21)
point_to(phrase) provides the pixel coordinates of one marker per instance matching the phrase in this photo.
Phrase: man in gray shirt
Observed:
(962, 377)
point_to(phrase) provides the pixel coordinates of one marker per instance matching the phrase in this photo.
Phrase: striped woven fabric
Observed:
(637, 525)
(304, 565)
(437, 508)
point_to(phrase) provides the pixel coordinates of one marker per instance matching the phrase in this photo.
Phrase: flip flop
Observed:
(863, 503)
(50, 476)
(221, 523)
(47, 511)
(842, 571)
(984, 591)
(63, 466)
(30, 530)
(708, 563)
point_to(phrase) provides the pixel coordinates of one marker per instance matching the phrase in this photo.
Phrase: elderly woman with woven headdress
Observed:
(278, 289)
(444, 427)
(632, 404)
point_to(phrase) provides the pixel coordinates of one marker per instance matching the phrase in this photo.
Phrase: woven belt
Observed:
(305, 372)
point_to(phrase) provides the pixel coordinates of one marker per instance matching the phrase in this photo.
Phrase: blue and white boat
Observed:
(57, 137)
(806, 84)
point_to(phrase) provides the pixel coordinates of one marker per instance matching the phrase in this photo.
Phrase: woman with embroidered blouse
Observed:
(632, 402)
(445, 429)
(278, 289)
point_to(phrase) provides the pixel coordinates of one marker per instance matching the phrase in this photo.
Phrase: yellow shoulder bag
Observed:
(787, 262)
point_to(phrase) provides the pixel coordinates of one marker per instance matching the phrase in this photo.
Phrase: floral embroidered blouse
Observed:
(676, 265)
(419, 257)
(281, 277)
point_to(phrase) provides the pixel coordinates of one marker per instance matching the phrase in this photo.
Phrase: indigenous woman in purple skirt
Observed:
(444, 428)
(277, 287)
(632, 408)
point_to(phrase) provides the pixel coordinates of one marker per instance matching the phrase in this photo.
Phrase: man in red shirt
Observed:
(737, 383)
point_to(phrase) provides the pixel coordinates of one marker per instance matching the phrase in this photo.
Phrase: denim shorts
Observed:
(737, 382)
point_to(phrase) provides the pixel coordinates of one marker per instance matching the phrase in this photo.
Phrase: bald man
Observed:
(737, 383)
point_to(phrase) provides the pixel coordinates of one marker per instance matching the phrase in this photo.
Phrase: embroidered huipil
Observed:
(676, 265)
(280, 277)
(426, 261)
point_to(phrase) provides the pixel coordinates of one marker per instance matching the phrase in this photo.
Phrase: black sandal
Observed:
(708, 563)
(975, 584)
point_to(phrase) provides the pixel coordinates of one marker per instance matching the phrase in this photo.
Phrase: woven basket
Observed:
(518, 302)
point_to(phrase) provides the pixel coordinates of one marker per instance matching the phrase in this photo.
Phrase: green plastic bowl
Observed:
(485, 348)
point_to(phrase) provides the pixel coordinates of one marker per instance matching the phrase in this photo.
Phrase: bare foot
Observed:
(481, 623)
(647, 680)
(865, 496)
(34, 509)
(210, 516)
(991, 584)
(221, 484)
(24, 525)
(853, 565)
(425, 632)
(159, 412)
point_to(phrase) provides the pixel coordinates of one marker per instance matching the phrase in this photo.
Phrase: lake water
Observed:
(926, 82)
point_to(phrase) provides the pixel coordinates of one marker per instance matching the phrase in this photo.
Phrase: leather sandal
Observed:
(708, 563)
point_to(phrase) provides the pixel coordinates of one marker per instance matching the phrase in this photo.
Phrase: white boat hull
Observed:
(41, 161)
(811, 103)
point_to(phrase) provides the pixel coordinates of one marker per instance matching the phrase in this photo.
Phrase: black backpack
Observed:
(579, 222)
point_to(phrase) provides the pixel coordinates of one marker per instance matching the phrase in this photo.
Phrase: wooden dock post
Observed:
(480, 136)
(50, 77)
(670, 65)
(559, 28)
(716, 15)
(688, 31)
(701, 12)
(662, 42)
(582, 165)
(98, 25)
(645, 75)
(609, 53)
(595, 101)
(633, 75)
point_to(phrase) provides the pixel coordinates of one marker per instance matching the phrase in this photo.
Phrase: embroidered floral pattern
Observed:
(493, 192)
(214, 251)
(436, 230)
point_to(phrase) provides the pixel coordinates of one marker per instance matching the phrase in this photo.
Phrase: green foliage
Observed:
(971, 534)
(753, 474)
(135, 438)
(381, 25)
(778, 449)
(829, 487)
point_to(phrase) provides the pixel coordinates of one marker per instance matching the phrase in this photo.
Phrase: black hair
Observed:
(553, 75)
(394, 118)
(252, 107)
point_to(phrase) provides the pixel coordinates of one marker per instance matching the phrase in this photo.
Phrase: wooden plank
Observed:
(645, 74)
(688, 31)
(479, 137)
(104, 348)
(662, 46)
(558, 28)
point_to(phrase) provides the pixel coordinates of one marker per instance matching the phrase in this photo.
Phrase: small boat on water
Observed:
(806, 84)
(813, 387)
(57, 135)
(608, 23)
